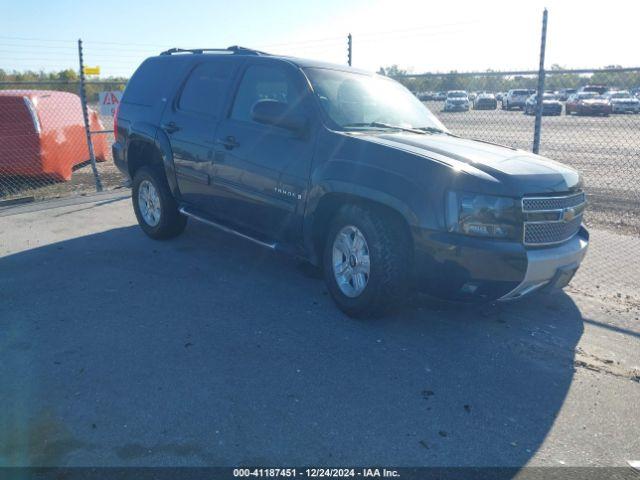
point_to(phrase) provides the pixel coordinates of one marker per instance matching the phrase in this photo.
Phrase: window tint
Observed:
(261, 82)
(206, 87)
(151, 81)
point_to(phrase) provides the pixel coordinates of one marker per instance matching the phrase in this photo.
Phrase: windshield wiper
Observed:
(432, 130)
(385, 125)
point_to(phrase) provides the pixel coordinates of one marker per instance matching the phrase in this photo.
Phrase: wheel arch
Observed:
(145, 148)
(325, 206)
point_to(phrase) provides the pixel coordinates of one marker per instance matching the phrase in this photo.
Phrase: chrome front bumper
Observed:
(547, 266)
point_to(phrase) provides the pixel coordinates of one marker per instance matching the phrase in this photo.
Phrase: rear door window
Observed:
(206, 88)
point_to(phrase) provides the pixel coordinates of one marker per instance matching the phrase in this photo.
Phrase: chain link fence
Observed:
(591, 122)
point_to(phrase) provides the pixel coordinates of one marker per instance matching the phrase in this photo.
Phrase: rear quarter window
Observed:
(152, 80)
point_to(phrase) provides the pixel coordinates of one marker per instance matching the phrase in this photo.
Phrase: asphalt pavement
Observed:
(208, 350)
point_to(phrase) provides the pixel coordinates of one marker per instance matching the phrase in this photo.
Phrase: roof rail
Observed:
(235, 49)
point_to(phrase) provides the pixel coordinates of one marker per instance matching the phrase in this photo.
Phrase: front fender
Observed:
(353, 190)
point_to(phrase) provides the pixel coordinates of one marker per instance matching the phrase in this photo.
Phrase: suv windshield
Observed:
(520, 92)
(457, 95)
(354, 100)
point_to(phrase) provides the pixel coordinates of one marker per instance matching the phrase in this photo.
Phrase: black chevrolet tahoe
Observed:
(347, 170)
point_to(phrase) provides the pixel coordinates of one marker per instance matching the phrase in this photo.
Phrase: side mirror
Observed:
(278, 114)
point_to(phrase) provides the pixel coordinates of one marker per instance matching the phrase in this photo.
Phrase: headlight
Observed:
(483, 215)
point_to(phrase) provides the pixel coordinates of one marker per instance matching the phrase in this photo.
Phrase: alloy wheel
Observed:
(351, 262)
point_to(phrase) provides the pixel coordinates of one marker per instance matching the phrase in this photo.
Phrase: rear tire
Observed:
(386, 248)
(154, 205)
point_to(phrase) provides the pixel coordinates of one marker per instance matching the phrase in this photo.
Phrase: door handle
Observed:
(170, 127)
(228, 142)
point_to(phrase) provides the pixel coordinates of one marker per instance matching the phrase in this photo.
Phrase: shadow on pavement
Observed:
(206, 350)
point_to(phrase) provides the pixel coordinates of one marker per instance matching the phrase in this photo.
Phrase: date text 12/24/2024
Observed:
(315, 472)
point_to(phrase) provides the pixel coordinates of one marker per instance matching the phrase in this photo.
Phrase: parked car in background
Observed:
(623, 102)
(42, 134)
(485, 101)
(499, 96)
(599, 89)
(440, 96)
(587, 103)
(515, 98)
(457, 101)
(424, 96)
(565, 93)
(550, 104)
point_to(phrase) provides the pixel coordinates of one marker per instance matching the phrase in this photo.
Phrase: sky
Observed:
(417, 35)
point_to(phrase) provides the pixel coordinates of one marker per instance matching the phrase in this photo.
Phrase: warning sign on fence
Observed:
(109, 102)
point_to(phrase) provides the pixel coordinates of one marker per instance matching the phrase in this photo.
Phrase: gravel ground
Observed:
(207, 350)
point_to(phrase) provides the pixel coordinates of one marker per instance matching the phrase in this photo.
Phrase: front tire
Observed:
(366, 261)
(154, 205)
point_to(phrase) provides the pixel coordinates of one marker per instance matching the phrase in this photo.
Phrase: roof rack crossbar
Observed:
(235, 49)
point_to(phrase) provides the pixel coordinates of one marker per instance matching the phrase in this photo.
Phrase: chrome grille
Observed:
(563, 216)
(545, 233)
(552, 203)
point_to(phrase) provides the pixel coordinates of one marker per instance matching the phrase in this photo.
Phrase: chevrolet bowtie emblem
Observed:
(568, 214)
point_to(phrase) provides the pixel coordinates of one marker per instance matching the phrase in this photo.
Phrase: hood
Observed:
(545, 102)
(502, 169)
(625, 100)
(594, 101)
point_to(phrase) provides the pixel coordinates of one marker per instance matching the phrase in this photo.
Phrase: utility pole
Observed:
(349, 49)
(541, 74)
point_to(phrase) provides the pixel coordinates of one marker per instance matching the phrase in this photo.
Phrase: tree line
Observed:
(555, 79)
(52, 81)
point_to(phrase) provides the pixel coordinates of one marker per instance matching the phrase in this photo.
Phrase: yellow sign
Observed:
(92, 70)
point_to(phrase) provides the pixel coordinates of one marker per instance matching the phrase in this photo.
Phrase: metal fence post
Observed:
(87, 124)
(349, 48)
(541, 75)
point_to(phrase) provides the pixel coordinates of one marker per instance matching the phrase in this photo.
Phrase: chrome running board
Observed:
(219, 226)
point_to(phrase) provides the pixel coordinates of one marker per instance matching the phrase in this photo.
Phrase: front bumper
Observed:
(625, 108)
(486, 105)
(462, 107)
(594, 110)
(551, 267)
(472, 269)
(551, 109)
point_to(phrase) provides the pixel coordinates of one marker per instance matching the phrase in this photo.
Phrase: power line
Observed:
(32, 39)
